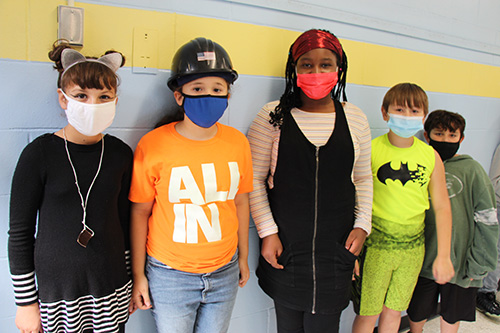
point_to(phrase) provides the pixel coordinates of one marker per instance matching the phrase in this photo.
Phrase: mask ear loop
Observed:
(64, 94)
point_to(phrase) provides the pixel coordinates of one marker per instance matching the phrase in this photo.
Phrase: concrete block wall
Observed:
(450, 48)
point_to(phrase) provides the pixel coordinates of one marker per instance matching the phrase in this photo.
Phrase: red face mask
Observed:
(317, 85)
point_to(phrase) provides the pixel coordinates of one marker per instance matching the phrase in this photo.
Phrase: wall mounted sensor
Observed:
(70, 20)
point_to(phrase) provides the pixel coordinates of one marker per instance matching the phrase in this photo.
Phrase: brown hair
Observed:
(406, 94)
(445, 120)
(85, 74)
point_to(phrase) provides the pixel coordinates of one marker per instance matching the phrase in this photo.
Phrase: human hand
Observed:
(131, 306)
(355, 272)
(28, 318)
(442, 269)
(244, 272)
(140, 294)
(271, 250)
(355, 241)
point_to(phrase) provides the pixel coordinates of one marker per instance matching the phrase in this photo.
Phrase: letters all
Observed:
(190, 216)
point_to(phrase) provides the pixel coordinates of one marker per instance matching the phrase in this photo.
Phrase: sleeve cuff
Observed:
(268, 232)
(25, 291)
(367, 227)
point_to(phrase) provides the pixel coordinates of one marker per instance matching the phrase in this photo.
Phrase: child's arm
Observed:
(26, 195)
(363, 182)
(362, 177)
(482, 254)
(124, 211)
(260, 137)
(139, 217)
(442, 267)
(243, 213)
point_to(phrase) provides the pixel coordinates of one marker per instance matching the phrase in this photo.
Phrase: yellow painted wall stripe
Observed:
(29, 27)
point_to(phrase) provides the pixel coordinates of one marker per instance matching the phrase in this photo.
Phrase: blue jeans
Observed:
(188, 302)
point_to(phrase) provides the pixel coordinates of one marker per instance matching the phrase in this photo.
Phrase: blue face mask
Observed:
(403, 126)
(204, 110)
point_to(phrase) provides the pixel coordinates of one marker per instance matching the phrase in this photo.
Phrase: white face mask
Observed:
(89, 119)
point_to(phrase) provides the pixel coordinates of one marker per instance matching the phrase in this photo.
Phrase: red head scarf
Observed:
(316, 39)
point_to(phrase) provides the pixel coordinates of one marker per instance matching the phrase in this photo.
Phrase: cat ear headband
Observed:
(70, 58)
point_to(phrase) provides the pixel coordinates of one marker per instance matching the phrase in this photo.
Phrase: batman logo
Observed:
(403, 174)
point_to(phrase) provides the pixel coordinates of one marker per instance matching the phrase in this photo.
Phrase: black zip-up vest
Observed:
(312, 202)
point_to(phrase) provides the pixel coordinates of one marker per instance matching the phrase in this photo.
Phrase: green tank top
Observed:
(400, 191)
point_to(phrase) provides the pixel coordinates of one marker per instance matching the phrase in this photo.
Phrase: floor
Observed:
(483, 324)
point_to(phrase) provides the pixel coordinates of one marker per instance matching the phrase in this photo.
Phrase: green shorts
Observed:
(388, 278)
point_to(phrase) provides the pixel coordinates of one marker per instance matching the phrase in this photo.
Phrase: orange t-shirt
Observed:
(193, 226)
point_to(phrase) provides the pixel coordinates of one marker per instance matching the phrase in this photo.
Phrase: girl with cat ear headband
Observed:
(69, 225)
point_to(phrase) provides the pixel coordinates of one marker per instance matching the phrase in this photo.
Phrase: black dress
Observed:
(77, 288)
(312, 202)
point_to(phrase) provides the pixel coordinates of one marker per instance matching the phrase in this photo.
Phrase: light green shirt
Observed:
(400, 190)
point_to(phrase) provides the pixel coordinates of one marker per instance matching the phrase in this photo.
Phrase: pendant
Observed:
(85, 236)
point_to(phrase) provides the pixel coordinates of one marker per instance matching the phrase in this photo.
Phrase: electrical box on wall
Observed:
(145, 51)
(70, 24)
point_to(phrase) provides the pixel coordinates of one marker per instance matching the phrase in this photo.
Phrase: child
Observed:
(190, 209)
(474, 236)
(313, 187)
(69, 212)
(405, 171)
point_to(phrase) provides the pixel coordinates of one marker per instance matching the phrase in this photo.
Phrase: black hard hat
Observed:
(198, 57)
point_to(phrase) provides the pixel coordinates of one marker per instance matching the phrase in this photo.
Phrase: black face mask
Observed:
(445, 149)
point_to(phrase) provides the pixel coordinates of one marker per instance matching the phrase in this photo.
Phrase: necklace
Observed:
(86, 234)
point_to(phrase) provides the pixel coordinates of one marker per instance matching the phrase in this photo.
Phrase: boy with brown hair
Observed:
(474, 233)
(405, 171)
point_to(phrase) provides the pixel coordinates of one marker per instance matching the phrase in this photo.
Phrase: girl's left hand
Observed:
(244, 272)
